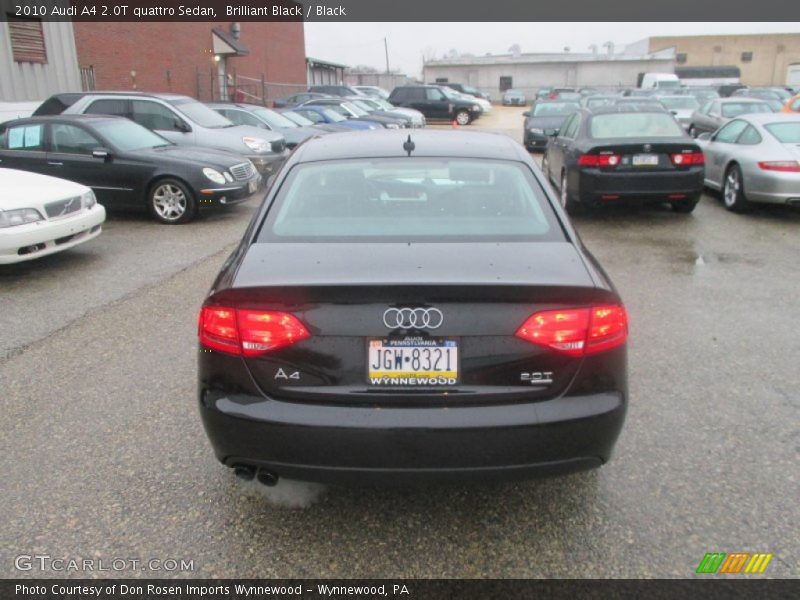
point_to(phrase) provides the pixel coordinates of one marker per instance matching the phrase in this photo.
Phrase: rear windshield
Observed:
(786, 133)
(201, 114)
(555, 109)
(410, 199)
(275, 119)
(299, 119)
(734, 109)
(634, 125)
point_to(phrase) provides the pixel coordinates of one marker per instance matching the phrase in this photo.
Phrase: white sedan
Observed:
(41, 215)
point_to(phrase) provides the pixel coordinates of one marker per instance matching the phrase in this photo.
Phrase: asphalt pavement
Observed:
(103, 453)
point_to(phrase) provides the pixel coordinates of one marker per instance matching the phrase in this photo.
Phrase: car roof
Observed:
(64, 118)
(428, 143)
(767, 118)
(627, 107)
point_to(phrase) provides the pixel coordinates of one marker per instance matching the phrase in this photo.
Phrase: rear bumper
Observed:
(773, 187)
(595, 185)
(348, 444)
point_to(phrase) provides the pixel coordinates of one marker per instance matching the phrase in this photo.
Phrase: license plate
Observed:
(412, 361)
(645, 160)
(252, 186)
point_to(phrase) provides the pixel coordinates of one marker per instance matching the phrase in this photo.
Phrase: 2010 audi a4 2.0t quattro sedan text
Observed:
(410, 308)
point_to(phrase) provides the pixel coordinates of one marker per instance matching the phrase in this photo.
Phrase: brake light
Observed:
(688, 159)
(577, 331)
(248, 332)
(785, 166)
(599, 160)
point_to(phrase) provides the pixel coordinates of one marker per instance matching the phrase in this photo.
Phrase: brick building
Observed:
(252, 61)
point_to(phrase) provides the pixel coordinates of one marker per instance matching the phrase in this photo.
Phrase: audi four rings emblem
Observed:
(413, 318)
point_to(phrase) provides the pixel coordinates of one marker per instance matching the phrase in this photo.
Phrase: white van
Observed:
(659, 81)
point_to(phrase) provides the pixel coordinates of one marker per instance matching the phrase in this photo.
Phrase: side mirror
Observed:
(527, 113)
(674, 112)
(181, 126)
(101, 153)
(553, 132)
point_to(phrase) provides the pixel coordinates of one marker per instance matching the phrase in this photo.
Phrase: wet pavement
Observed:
(104, 455)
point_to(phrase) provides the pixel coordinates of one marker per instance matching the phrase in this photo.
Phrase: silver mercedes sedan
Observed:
(754, 158)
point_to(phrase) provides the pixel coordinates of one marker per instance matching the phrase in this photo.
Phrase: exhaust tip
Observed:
(244, 472)
(267, 478)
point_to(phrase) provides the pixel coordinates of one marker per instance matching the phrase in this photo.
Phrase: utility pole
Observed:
(386, 49)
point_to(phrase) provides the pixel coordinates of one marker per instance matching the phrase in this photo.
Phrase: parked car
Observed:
(618, 153)
(755, 158)
(660, 81)
(543, 121)
(324, 115)
(265, 118)
(596, 100)
(335, 349)
(373, 91)
(682, 107)
(336, 90)
(726, 90)
(542, 93)
(127, 165)
(41, 215)
(350, 111)
(571, 96)
(702, 94)
(296, 99)
(180, 119)
(485, 105)
(417, 118)
(372, 108)
(469, 90)
(433, 102)
(302, 121)
(770, 96)
(792, 105)
(712, 115)
(514, 98)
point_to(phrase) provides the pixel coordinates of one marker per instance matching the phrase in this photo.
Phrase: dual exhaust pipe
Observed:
(248, 473)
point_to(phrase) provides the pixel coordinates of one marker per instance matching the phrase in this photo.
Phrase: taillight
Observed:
(785, 166)
(599, 160)
(248, 332)
(577, 331)
(688, 159)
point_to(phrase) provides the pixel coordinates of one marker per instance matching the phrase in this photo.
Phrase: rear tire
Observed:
(463, 118)
(566, 199)
(171, 202)
(733, 195)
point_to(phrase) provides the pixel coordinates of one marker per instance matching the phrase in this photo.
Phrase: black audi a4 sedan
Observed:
(621, 153)
(127, 165)
(410, 309)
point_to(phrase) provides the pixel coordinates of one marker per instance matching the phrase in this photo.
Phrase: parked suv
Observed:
(468, 89)
(336, 90)
(180, 119)
(434, 103)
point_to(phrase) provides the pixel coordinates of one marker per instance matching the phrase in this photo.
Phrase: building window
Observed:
(441, 80)
(506, 83)
(747, 56)
(680, 58)
(27, 40)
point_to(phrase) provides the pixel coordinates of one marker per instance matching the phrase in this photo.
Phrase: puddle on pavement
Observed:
(699, 263)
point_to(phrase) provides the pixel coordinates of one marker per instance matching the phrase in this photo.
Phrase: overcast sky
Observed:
(362, 43)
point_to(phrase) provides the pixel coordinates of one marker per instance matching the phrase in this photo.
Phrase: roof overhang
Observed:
(226, 45)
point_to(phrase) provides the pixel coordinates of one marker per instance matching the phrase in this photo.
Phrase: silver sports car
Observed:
(754, 158)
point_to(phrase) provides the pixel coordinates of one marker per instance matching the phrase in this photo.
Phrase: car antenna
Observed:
(408, 145)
